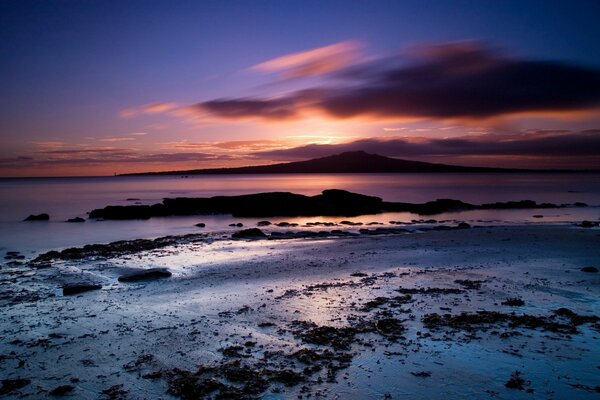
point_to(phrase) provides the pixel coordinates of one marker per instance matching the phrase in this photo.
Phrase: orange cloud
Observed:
(313, 62)
(152, 108)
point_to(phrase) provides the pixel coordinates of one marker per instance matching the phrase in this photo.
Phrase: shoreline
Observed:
(224, 296)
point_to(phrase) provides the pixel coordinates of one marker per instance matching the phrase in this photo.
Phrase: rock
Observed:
(589, 269)
(38, 217)
(239, 225)
(76, 219)
(332, 202)
(421, 374)
(10, 385)
(252, 233)
(146, 274)
(62, 390)
(588, 224)
(76, 288)
(201, 225)
(263, 223)
(463, 225)
(580, 204)
(513, 302)
(128, 212)
(516, 381)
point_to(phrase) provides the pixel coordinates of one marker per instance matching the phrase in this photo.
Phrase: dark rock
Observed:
(350, 223)
(513, 302)
(580, 204)
(201, 225)
(421, 374)
(76, 219)
(116, 392)
(469, 284)
(120, 247)
(588, 224)
(76, 288)
(252, 233)
(463, 225)
(589, 269)
(62, 390)
(332, 202)
(146, 274)
(10, 385)
(38, 217)
(516, 381)
(263, 223)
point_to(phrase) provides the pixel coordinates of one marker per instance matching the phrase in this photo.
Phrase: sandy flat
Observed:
(236, 307)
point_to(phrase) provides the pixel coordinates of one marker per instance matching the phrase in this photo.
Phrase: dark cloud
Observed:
(240, 108)
(464, 80)
(531, 144)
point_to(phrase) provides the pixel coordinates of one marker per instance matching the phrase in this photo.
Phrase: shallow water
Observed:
(65, 198)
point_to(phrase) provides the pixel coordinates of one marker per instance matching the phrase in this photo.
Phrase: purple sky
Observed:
(97, 87)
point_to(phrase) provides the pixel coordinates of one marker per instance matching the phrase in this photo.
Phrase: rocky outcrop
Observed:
(76, 288)
(38, 217)
(252, 233)
(146, 274)
(332, 202)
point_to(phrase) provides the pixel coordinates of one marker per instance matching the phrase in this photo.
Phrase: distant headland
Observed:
(348, 162)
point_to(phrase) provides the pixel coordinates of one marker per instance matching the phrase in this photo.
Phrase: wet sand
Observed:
(350, 318)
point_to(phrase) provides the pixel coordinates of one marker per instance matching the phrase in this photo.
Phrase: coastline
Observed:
(225, 293)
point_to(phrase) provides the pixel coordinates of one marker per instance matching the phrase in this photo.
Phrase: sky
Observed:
(104, 87)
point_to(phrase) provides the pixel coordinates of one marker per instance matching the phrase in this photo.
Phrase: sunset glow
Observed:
(177, 90)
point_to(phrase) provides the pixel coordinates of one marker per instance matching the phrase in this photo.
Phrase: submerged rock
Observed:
(76, 288)
(76, 219)
(201, 225)
(146, 274)
(38, 217)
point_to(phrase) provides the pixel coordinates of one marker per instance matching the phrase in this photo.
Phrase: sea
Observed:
(64, 198)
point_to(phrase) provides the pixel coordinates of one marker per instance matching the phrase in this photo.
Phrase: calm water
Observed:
(65, 198)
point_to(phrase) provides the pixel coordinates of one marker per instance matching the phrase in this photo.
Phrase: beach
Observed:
(404, 315)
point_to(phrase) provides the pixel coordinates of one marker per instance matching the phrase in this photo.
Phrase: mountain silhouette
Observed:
(348, 162)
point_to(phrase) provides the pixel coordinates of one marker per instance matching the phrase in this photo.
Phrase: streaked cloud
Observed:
(453, 81)
(148, 109)
(116, 139)
(319, 61)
